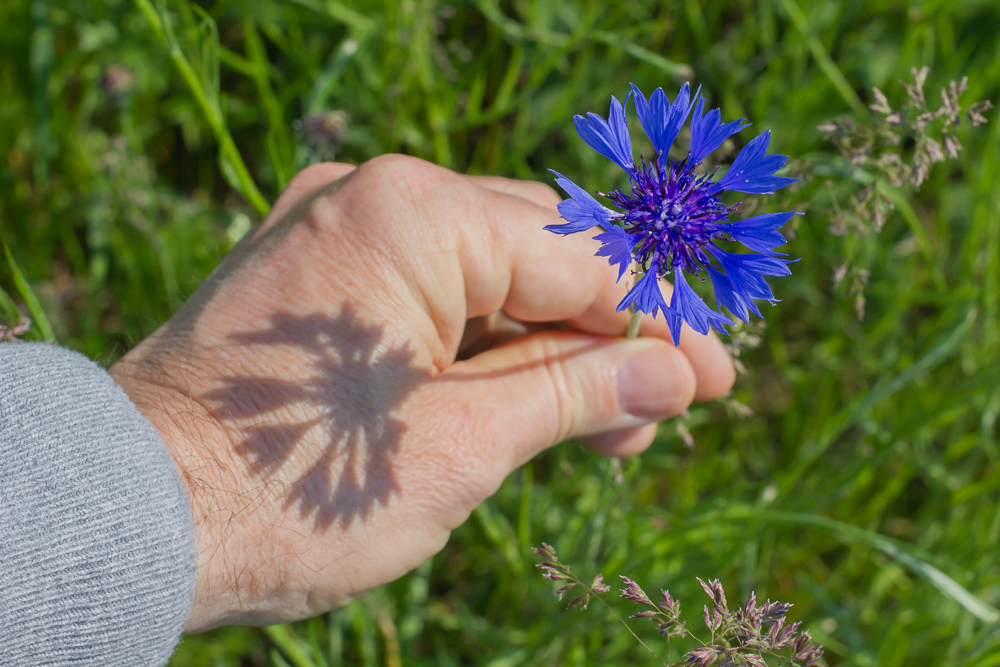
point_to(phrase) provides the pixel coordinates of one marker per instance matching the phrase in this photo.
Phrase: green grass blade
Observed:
(823, 58)
(24, 289)
(41, 57)
(895, 550)
(813, 449)
(326, 82)
(339, 12)
(905, 209)
(284, 638)
(279, 140)
(502, 535)
(7, 306)
(679, 71)
(229, 154)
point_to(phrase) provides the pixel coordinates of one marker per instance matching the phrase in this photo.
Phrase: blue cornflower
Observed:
(672, 217)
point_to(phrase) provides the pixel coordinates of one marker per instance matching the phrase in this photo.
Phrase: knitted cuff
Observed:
(97, 544)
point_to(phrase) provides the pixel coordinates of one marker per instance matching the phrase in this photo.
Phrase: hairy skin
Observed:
(368, 366)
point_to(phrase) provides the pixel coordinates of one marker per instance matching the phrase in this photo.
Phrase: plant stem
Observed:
(633, 324)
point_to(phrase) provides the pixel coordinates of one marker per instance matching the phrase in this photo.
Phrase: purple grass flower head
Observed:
(703, 656)
(672, 218)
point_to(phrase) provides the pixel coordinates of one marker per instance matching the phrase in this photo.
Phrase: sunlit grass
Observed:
(864, 488)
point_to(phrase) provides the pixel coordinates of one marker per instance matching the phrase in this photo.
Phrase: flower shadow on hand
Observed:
(342, 380)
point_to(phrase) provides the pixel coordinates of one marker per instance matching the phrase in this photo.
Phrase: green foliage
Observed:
(139, 140)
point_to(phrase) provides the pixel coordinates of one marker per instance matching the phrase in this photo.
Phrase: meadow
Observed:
(854, 471)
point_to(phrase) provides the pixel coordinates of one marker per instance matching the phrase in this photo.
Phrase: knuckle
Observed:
(409, 177)
(392, 163)
(305, 187)
(317, 175)
(390, 189)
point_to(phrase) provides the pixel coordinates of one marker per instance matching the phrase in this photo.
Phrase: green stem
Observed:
(633, 324)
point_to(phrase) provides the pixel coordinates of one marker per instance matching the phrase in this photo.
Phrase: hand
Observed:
(369, 365)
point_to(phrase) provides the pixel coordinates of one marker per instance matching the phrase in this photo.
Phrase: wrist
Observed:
(233, 582)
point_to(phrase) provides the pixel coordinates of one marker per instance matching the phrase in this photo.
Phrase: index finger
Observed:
(444, 232)
(469, 247)
(709, 358)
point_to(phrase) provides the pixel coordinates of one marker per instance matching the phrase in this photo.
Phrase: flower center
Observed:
(670, 213)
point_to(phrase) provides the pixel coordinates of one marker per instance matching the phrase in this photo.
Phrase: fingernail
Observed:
(651, 384)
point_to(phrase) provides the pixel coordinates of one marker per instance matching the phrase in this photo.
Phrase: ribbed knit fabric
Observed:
(97, 552)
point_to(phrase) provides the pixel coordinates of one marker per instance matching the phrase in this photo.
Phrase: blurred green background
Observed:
(139, 141)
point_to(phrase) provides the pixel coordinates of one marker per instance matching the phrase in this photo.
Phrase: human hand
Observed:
(369, 364)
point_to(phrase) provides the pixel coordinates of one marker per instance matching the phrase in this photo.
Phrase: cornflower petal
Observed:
(708, 132)
(746, 274)
(753, 171)
(725, 295)
(652, 114)
(646, 294)
(660, 119)
(617, 248)
(759, 232)
(694, 311)
(673, 217)
(767, 265)
(582, 211)
(609, 137)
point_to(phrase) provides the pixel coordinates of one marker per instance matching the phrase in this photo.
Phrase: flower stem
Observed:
(633, 324)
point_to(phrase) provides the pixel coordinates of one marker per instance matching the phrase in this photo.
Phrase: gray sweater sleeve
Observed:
(97, 552)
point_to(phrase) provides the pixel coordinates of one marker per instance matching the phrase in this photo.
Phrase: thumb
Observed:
(544, 388)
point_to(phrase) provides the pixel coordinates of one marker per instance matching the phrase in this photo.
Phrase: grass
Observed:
(865, 486)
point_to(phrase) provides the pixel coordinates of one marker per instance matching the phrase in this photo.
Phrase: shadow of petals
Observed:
(350, 388)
